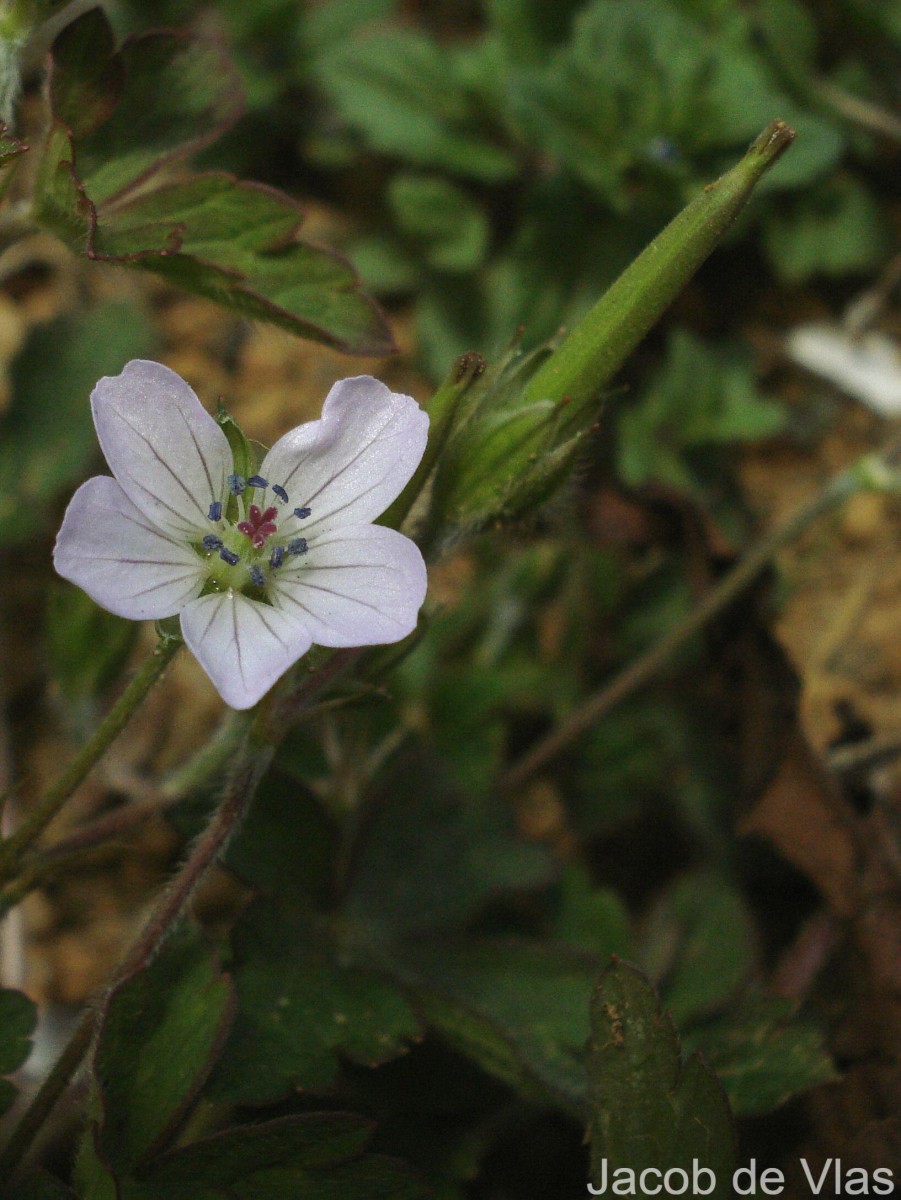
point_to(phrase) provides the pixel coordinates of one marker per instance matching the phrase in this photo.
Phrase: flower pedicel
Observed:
(299, 564)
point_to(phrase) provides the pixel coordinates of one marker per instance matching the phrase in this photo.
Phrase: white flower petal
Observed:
(357, 586)
(168, 453)
(348, 466)
(243, 645)
(110, 549)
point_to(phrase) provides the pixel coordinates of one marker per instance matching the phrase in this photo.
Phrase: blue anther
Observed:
(257, 481)
(280, 492)
(297, 546)
(237, 484)
(215, 513)
(277, 557)
(302, 512)
(211, 542)
(229, 556)
(256, 576)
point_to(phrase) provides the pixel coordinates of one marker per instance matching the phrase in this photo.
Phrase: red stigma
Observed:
(259, 525)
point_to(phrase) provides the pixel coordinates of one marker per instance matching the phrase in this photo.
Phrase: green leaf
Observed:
(59, 200)
(835, 229)
(10, 147)
(286, 844)
(592, 918)
(300, 1143)
(10, 150)
(407, 96)
(700, 940)
(235, 243)
(649, 1108)
(405, 885)
(46, 437)
(300, 1008)
(161, 1030)
(529, 28)
(40, 1185)
(517, 1008)
(88, 76)
(702, 396)
(437, 216)
(165, 95)
(319, 1156)
(86, 645)
(18, 1017)
(763, 1054)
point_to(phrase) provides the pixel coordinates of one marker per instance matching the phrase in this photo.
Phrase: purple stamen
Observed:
(257, 576)
(236, 484)
(302, 513)
(215, 513)
(211, 542)
(280, 492)
(257, 481)
(297, 546)
(277, 557)
(229, 556)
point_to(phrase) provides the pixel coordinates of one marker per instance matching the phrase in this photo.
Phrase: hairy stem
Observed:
(237, 795)
(640, 672)
(40, 816)
(261, 742)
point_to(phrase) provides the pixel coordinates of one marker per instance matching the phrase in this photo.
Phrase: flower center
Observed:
(259, 525)
(241, 554)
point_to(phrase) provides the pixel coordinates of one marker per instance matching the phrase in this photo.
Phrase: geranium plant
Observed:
(360, 797)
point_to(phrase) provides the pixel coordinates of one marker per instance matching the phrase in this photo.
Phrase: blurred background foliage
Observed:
(487, 166)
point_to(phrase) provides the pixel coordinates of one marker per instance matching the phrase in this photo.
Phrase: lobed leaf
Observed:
(88, 75)
(46, 437)
(162, 96)
(86, 646)
(405, 886)
(40, 1185)
(118, 118)
(700, 941)
(764, 1054)
(300, 1009)
(308, 1142)
(406, 95)
(517, 1008)
(18, 1017)
(161, 1030)
(647, 1106)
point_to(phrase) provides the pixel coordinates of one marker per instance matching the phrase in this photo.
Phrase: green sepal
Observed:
(443, 411)
(169, 628)
(243, 456)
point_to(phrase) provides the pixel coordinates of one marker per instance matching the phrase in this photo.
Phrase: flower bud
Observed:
(518, 434)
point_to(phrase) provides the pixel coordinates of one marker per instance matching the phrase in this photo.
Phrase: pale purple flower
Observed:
(299, 563)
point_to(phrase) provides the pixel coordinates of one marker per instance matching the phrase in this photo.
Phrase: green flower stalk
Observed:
(519, 439)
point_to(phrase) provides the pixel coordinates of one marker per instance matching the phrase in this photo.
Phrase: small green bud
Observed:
(517, 435)
(444, 412)
(495, 458)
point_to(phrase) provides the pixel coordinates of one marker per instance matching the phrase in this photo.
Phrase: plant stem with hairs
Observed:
(39, 817)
